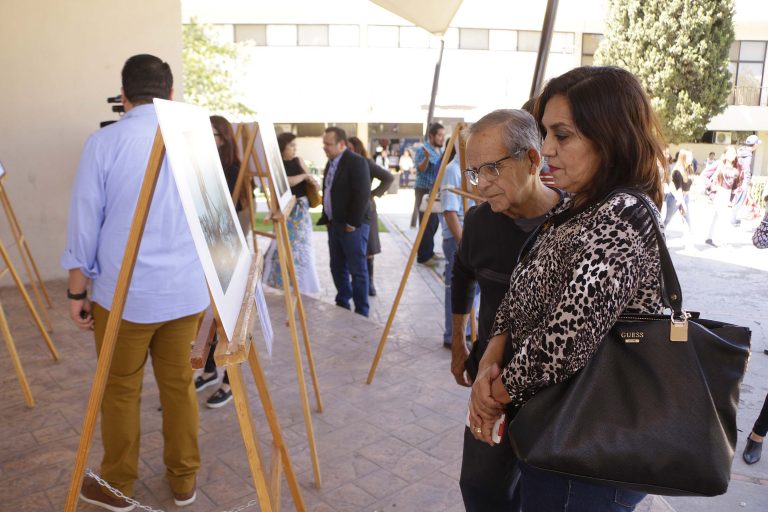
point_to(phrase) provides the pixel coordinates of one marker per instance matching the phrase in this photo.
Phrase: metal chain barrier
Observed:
(116, 492)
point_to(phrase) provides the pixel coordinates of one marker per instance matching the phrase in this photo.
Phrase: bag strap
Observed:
(671, 293)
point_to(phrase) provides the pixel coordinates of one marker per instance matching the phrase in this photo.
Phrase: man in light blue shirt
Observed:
(452, 222)
(165, 299)
(427, 161)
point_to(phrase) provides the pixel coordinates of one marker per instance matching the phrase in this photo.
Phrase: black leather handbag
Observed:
(653, 411)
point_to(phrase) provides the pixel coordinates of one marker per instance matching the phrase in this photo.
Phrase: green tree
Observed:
(209, 72)
(679, 51)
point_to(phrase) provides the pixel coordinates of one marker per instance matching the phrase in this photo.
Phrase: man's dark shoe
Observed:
(709, 241)
(752, 451)
(91, 492)
(345, 306)
(219, 399)
(201, 382)
(371, 289)
(765, 351)
(447, 344)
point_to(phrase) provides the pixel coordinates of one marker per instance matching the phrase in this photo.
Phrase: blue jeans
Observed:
(347, 254)
(449, 249)
(738, 201)
(672, 205)
(547, 492)
(427, 246)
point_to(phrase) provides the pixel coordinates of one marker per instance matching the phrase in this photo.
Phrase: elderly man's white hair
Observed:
(519, 129)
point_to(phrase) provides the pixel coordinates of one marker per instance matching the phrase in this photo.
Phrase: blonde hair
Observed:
(684, 164)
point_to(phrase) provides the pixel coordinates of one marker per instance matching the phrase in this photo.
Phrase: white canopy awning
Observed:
(432, 15)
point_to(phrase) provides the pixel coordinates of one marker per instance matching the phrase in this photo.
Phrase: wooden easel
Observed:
(291, 291)
(9, 269)
(241, 339)
(455, 136)
(248, 159)
(231, 354)
(33, 274)
(25, 389)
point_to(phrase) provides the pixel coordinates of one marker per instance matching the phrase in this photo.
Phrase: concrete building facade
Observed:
(308, 64)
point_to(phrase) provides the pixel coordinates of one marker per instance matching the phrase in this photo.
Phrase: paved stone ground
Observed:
(394, 445)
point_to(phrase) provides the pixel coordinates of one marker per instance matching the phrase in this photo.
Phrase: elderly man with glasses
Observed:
(503, 155)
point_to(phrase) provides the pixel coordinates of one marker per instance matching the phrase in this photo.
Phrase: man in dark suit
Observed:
(346, 191)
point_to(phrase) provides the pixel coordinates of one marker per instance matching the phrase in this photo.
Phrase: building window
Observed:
(589, 44)
(344, 35)
(502, 40)
(313, 35)
(281, 35)
(413, 37)
(473, 38)
(255, 34)
(562, 42)
(383, 36)
(528, 40)
(746, 66)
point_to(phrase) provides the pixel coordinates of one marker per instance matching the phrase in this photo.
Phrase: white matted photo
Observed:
(270, 158)
(194, 161)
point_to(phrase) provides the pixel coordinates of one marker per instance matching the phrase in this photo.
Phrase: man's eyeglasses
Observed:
(490, 170)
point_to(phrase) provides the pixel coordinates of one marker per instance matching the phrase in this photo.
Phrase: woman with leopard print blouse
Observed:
(592, 260)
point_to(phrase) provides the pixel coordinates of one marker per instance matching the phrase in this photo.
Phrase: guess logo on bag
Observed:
(631, 336)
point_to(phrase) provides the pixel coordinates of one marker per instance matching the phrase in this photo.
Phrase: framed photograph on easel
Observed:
(269, 156)
(219, 240)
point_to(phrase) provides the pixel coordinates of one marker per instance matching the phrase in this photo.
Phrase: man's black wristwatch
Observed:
(77, 296)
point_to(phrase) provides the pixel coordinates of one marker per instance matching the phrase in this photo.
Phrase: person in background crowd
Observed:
(708, 174)
(452, 221)
(385, 181)
(710, 162)
(406, 167)
(427, 160)
(724, 182)
(745, 155)
(346, 203)
(754, 446)
(381, 158)
(299, 225)
(224, 136)
(679, 185)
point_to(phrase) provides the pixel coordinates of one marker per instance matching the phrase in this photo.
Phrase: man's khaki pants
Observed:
(169, 343)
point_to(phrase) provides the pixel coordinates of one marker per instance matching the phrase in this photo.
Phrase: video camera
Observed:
(118, 109)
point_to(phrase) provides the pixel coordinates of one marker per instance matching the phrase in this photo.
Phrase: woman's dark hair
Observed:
(284, 139)
(228, 148)
(610, 108)
(357, 146)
